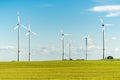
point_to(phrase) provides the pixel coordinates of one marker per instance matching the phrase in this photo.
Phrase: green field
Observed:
(60, 70)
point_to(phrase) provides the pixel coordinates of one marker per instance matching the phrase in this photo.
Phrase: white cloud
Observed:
(106, 8)
(91, 44)
(92, 47)
(112, 10)
(114, 38)
(116, 49)
(114, 14)
(48, 49)
(7, 48)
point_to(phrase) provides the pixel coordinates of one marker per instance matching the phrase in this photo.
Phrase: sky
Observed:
(47, 18)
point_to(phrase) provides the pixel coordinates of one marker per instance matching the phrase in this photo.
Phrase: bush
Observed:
(110, 57)
(70, 59)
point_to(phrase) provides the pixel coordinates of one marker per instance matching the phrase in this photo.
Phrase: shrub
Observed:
(110, 57)
(71, 59)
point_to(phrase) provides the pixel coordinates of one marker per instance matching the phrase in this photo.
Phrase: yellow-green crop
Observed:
(60, 70)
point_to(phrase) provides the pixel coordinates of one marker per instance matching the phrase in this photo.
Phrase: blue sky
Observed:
(48, 17)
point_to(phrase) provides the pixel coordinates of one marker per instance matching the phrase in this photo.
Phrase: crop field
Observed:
(60, 70)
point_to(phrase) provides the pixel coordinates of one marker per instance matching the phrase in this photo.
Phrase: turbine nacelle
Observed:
(104, 24)
(85, 37)
(29, 31)
(19, 24)
(63, 35)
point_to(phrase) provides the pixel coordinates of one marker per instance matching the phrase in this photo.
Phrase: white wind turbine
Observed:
(70, 45)
(86, 44)
(103, 29)
(29, 34)
(63, 35)
(18, 27)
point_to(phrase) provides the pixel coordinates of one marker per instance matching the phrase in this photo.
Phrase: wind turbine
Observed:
(63, 35)
(103, 30)
(18, 27)
(29, 34)
(86, 46)
(86, 43)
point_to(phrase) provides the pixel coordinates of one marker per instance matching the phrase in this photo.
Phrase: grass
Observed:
(60, 70)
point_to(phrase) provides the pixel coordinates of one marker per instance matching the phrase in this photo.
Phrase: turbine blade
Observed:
(109, 24)
(15, 27)
(34, 33)
(26, 34)
(101, 20)
(67, 34)
(61, 31)
(29, 27)
(18, 17)
(23, 26)
(86, 36)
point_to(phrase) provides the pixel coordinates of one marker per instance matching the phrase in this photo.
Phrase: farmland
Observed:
(60, 70)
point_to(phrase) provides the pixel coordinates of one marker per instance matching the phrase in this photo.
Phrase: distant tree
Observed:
(110, 57)
(71, 59)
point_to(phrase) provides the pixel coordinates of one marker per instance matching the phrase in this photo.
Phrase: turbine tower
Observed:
(29, 34)
(70, 50)
(18, 27)
(103, 30)
(86, 42)
(63, 35)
